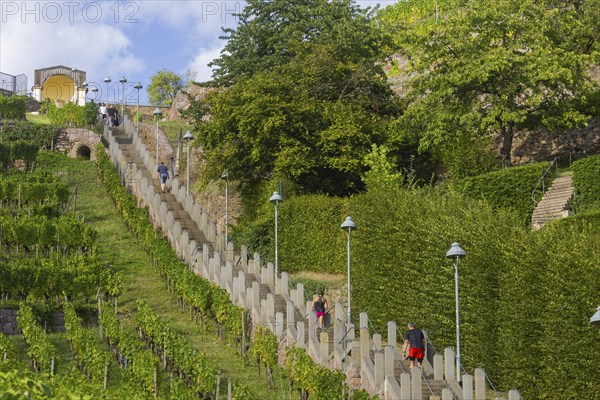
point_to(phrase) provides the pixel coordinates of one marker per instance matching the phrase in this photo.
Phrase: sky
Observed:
(131, 39)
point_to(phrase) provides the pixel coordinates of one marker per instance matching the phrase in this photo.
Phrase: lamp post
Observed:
(107, 81)
(348, 225)
(595, 320)
(225, 175)
(137, 87)
(95, 90)
(157, 114)
(188, 137)
(85, 85)
(123, 80)
(456, 252)
(276, 199)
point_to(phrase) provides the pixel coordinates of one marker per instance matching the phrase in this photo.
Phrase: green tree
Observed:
(308, 107)
(490, 67)
(163, 87)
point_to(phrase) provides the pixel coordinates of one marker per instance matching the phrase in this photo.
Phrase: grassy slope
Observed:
(118, 246)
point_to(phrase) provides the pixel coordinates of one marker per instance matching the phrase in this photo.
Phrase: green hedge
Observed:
(13, 107)
(586, 180)
(507, 188)
(521, 292)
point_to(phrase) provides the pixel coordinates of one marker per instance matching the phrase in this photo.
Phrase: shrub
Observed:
(586, 180)
(13, 107)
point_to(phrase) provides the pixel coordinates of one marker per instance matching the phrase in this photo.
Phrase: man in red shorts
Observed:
(415, 338)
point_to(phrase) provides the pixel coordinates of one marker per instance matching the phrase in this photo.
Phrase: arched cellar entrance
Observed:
(84, 152)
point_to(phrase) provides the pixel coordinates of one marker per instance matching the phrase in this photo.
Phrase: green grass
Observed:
(172, 130)
(118, 247)
(38, 119)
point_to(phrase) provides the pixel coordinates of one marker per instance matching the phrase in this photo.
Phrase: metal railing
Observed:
(542, 182)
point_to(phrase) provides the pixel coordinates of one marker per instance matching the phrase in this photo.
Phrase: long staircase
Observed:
(270, 295)
(125, 142)
(554, 202)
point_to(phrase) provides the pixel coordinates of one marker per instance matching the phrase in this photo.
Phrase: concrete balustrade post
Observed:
(301, 338)
(312, 322)
(269, 275)
(449, 372)
(290, 312)
(416, 384)
(244, 257)
(324, 348)
(212, 233)
(390, 360)
(479, 384)
(300, 299)
(447, 394)
(467, 382)
(377, 341)
(230, 252)
(405, 387)
(438, 367)
(279, 325)
(217, 266)
(364, 335)
(235, 290)
(285, 285)
(270, 307)
(392, 333)
(256, 294)
(379, 370)
(514, 395)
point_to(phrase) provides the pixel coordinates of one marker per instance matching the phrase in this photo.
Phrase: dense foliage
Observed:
(586, 180)
(163, 87)
(72, 114)
(304, 102)
(489, 66)
(13, 107)
(508, 188)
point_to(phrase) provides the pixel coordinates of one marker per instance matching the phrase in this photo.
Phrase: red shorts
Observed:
(415, 353)
(320, 314)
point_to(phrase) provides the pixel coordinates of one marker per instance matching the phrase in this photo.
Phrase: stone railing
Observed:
(367, 362)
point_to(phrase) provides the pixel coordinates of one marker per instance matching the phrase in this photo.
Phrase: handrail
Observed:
(542, 182)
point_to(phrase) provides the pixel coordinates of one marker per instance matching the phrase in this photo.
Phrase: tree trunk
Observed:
(507, 141)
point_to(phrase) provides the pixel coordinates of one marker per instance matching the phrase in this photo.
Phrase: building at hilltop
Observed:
(13, 84)
(60, 84)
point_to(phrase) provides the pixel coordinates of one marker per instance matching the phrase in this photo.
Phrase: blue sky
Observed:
(112, 38)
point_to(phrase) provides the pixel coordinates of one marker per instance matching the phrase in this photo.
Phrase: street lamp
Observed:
(225, 175)
(95, 90)
(157, 114)
(107, 80)
(123, 80)
(348, 225)
(137, 87)
(595, 320)
(188, 137)
(455, 253)
(276, 199)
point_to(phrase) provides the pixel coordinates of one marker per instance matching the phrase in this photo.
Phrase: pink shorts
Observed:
(320, 314)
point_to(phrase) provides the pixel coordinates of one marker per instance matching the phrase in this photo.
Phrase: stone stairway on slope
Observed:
(125, 142)
(554, 202)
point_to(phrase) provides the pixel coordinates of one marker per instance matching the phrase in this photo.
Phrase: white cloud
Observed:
(200, 61)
